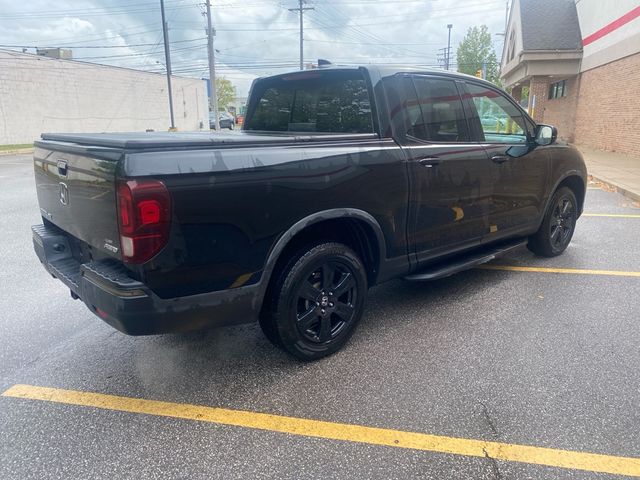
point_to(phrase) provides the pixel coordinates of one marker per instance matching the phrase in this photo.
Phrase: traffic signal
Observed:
(479, 73)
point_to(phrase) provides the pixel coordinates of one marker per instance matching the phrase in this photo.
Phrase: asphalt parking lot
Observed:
(521, 371)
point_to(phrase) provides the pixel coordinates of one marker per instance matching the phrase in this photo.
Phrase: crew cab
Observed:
(341, 178)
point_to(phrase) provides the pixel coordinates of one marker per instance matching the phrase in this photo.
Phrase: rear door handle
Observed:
(499, 158)
(429, 162)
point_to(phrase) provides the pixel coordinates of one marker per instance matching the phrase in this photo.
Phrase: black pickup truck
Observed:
(342, 178)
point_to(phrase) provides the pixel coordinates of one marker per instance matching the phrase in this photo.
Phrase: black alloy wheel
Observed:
(558, 225)
(325, 302)
(563, 221)
(316, 301)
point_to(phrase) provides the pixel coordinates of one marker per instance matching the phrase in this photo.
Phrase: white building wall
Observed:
(617, 40)
(39, 94)
(514, 28)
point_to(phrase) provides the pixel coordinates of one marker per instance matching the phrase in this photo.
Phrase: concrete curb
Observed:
(625, 192)
(16, 151)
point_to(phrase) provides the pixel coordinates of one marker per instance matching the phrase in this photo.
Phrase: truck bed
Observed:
(180, 140)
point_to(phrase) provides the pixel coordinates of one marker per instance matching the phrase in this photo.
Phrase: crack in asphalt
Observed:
(494, 464)
(494, 430)
(490, 421)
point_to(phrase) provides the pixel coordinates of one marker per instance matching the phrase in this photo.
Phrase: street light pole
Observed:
(213, 99)
(449, 26)
(167, 56)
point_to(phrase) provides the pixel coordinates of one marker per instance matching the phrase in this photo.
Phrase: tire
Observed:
(231, 126)
(558, 225)
(316, 301)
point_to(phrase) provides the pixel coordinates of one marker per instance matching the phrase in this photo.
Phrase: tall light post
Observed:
(449, 26)
(213, 99)
(167, 57)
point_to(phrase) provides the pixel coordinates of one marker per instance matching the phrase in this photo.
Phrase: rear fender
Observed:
(305, 223)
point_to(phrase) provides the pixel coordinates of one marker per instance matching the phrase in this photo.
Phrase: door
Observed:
(449, 174)
(520, 167)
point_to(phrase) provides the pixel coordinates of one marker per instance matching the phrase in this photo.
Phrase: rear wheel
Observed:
(316, 302)
(556, 231)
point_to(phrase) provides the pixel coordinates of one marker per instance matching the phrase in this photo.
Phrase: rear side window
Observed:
(315, 101)
(439, 115)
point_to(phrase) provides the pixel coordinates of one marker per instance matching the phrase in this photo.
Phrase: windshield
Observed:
(335, 101)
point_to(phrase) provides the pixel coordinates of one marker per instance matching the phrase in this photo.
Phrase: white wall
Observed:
(594, 15)
(514, 26)
(39, 94)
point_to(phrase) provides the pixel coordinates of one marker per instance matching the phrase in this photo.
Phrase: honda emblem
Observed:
(64, 194)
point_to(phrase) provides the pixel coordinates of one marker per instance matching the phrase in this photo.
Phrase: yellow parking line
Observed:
(338, 431)
(612, 215)
(578, 271)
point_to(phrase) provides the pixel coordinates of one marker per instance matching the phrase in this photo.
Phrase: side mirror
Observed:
(546, 135)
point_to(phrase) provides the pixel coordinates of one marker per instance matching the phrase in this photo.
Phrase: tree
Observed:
(476, 48)
(226, 92)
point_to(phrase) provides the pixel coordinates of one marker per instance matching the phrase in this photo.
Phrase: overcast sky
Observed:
(254, 37)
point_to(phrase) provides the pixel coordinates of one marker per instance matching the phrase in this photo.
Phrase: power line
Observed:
(90, 9)
(101, 46)
(80, 13)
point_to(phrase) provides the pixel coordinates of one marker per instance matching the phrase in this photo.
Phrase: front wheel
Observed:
(558, 225)
(316, 302)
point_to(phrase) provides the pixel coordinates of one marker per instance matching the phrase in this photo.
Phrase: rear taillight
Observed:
(144, 218)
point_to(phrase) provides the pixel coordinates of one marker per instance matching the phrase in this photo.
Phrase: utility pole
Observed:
(167, 57)
(301, 9)
(213, 99)
(449, 26)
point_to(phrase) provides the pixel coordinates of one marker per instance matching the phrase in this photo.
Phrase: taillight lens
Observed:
(144, 218)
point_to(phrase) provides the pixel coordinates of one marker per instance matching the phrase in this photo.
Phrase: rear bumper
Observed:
(129, 305)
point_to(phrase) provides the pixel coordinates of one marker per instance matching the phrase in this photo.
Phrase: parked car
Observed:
(492, 123)
(225, 119)
(342, 178)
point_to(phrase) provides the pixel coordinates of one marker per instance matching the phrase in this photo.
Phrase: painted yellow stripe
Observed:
(612, 215)
(338, 431)
(577, 271)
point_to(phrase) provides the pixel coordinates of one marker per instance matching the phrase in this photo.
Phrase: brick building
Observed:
(580, 60)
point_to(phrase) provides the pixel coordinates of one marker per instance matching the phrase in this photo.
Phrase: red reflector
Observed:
(125, 205)
(144, 218)
(101, 313)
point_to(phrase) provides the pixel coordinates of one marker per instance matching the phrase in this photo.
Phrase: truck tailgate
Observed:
(76, 192)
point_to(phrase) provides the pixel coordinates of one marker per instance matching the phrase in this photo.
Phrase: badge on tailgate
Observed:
(64, 194)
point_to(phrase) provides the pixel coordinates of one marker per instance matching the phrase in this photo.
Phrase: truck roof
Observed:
(385, 70)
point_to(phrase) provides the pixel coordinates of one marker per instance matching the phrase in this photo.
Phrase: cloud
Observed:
(253, 37)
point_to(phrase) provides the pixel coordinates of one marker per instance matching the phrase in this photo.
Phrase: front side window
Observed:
(501, 121)
(438, 115)
(324, 102)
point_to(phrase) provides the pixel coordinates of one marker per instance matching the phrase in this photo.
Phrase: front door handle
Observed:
(499, 158)
(429, 162)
